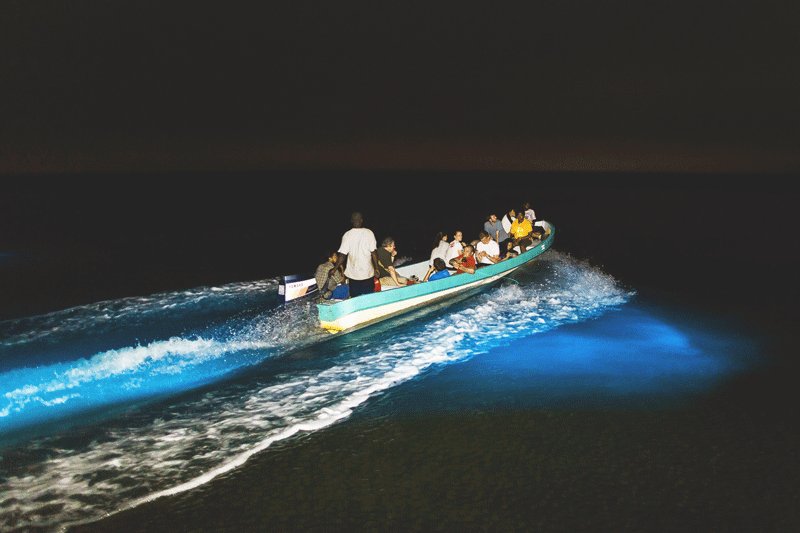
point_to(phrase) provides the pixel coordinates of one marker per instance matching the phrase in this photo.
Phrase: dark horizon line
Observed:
(361, 172)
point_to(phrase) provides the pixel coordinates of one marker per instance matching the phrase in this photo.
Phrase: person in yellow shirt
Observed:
(521, 231)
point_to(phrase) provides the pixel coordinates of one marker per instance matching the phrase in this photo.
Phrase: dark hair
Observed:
(357, 219)
(439, 236)
(438, 264)
(387, 241)
(482, 234)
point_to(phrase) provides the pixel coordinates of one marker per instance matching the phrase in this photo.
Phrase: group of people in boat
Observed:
(359, 266)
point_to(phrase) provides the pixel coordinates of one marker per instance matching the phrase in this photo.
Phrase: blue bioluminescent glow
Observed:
(625, 357)
(31, 395)
(565, 333)
(45, 375)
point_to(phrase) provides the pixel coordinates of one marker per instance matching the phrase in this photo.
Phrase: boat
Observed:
(337, 316)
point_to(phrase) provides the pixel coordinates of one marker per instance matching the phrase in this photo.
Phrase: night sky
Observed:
(185, 86)
(175, 143)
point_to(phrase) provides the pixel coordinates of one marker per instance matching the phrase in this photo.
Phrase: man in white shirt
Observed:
(488, 251)
(359, 245)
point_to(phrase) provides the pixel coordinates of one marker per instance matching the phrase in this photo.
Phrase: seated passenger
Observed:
(440, 247)
(530, 214)
(537, 235)
(508, 219)
(487, 250)
(520, 232)
(437, 271)
(386, 272)
(466, 261)
(496, 230)
(331, 280)
(511, 251)
(456, 247)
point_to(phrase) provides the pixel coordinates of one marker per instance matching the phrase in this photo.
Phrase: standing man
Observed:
(359, 245)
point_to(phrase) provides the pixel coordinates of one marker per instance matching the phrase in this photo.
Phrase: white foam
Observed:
(197, 441)
(94, 317)
(180, 353)
(289, 326)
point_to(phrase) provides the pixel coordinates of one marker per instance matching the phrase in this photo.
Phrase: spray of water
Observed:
(189, 442)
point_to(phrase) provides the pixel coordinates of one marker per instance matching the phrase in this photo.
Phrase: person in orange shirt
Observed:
(521, 231)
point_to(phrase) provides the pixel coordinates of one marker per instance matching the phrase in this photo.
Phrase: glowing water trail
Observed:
(196, 440)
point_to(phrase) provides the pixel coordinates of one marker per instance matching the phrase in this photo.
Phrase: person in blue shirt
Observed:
(437, 271)
(496, 231)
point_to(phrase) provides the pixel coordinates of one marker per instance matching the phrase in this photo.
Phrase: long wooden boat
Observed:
(346, 315)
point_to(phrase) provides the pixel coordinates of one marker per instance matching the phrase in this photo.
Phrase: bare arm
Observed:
(375, 263)
(459, 265)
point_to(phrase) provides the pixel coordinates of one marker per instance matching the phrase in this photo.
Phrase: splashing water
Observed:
(60, 479)
(132, 313)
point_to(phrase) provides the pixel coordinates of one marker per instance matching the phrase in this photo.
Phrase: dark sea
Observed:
(642, 375)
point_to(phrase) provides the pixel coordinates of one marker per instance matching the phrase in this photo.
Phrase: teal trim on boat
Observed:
(331, 312)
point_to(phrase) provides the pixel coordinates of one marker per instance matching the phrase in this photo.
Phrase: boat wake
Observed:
(272, 389)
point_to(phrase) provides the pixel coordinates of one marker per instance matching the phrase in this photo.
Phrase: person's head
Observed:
(458, 236)
(521, 216)
(439, 238)
(357, 219)
(468, 250)
(512, 214)
(438, 264)
(333, 257)
(492, 218)
(484, 237)
(526, 205)
(388, 243)
(537, 233)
